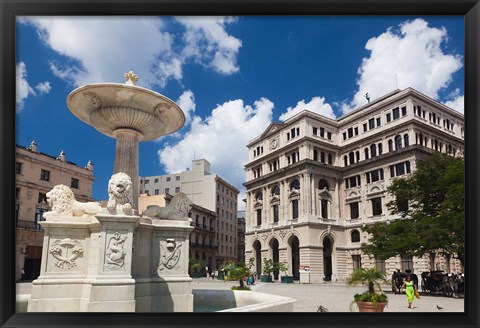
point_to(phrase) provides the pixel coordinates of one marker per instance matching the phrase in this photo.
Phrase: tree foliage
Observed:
(238, 272)
(435, 217)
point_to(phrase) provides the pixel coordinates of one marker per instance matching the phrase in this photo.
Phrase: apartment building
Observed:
(206, 190)
(36, 174)
(313, 182)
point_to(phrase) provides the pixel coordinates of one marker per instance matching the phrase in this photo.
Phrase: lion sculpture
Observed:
(177, 209)
(61, 200)
(120, 193)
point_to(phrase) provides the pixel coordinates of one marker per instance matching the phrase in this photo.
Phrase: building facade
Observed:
(206, 190)
(313, 182)
(36, 174)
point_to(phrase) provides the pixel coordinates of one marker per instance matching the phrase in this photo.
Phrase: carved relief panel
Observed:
(170, 256)
(66, 255)
(115, 250)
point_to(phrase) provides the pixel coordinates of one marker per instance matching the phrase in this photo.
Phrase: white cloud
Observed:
(208, 43)
(316, 105)
(103, 49)
(456, 101)
(187, 103)
(43, 87)
(221, 139)
(409, 57)
(23, 89)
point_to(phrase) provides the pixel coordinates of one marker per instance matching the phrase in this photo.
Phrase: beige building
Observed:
(313, 182)
(209, 191)
(36, 174)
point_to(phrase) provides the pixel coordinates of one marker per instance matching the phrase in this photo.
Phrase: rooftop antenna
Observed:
(368, 97)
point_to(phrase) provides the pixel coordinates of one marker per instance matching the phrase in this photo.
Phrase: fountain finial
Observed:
(130, 78)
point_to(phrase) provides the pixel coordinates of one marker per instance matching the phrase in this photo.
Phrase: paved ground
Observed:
(335, 297)
(338, 297)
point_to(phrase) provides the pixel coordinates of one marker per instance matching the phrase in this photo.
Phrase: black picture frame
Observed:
(12, 8)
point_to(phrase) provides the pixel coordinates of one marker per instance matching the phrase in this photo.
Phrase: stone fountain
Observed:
(111, 259)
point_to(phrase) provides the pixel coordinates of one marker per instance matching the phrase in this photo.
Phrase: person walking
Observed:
(409, 290)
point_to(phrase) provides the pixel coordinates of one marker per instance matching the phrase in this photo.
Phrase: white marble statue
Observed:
(177, 209)
(62, 202)
(120, 192)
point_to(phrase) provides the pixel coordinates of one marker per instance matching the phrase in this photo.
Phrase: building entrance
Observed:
(327, 259)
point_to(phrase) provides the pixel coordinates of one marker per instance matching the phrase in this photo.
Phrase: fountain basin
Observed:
(219, 301)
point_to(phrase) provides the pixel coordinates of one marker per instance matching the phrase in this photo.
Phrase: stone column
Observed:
(126, 157)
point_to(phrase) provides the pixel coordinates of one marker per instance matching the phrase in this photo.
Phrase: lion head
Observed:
(60, 199)
(119, 190)
(180, 204)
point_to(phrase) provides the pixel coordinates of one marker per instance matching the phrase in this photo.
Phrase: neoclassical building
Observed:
(313, 182)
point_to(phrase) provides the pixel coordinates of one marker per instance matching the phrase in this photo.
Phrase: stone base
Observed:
(162, 295)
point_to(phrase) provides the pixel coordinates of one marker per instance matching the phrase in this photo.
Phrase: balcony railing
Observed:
(29, 225)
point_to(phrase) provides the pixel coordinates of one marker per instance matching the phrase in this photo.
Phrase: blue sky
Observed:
(231, 76)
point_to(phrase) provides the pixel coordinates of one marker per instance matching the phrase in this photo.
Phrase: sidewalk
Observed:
(335, 297)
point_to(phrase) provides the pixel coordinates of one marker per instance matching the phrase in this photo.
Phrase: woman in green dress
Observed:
(409, 290)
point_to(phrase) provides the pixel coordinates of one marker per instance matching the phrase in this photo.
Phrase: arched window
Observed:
(405, 140)
(259, 196)
(355, 236)
(295, 185)
(330, 160)
(322, 157)
(322, 184)
(380, 149)
(351, 158)
(357, 154)
(366, 153)
(276, 191)
(345, 160)
(398, 142)
(315, 155)
(390, 145)
(373, 150)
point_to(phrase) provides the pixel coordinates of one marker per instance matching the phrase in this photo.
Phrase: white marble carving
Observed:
(170, 252)
(120, 193)
(115, 253)
(66, 251)
(177, 209)
(62, 202)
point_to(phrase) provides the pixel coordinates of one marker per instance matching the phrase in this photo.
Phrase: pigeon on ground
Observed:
(440, 308)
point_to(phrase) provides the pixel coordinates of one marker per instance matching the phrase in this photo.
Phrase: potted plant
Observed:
(370, 300)
(267, 270)
(283, 268)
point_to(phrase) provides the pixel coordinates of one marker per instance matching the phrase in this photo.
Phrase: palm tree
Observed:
(371, 277)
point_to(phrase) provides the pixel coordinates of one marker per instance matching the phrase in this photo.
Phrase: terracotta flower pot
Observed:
(371, 307)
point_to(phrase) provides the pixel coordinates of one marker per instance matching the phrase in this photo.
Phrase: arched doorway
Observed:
(257, 247)
(295, 247)
(275, 256)
(327, 258)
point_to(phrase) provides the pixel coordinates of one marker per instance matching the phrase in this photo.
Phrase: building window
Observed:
(330, 160)
(380, 149)
(357, 262)
(38, 217)
(373, 150)
(380, 265)
(74, 183)
(402, 205)
(45, 175)
(157, 192)
(177, 190)
(276, 191)
(407, 263)
(167, 190)
(377, 206)
(259, 217)
(352, 181)
(398, 142)
(389, 117)
(295, 185)
(275, 213)
(390, 145)
(18, 168)
(354, 211)
(177, 178)
(355, 236)
(41, 198)
(371, 123)
(295, 209)
(147, 181)
(324, 208)
(379, 121)
(404, 111)
(366, 153)
(396, 113)
(168, 179)
(156, 180)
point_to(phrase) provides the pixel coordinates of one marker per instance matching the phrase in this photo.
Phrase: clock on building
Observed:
(274, 143)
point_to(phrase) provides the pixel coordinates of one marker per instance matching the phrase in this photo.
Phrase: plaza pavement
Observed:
(335, 297)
